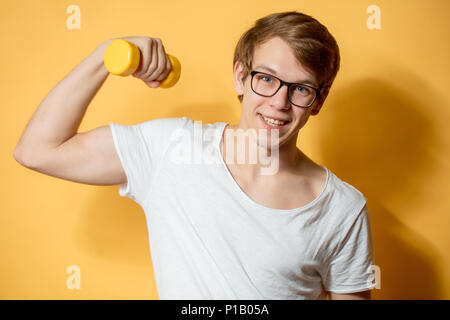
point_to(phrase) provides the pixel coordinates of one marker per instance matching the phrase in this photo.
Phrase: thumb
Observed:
(153, 83)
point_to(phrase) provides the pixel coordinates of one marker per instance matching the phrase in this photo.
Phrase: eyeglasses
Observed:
(267, 85)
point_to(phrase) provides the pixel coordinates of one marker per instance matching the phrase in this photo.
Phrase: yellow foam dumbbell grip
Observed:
(122, 58)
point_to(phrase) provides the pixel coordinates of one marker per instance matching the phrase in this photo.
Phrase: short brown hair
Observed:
(314, 46)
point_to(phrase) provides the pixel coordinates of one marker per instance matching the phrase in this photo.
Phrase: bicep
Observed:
(88, 157)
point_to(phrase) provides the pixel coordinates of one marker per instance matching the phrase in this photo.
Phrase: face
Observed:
(277, 55)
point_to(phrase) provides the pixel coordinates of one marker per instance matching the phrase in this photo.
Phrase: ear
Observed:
(238, 74)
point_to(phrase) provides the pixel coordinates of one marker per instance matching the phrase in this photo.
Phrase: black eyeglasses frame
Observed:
(288, 84)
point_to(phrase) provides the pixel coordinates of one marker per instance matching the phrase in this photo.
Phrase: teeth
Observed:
(273, 121)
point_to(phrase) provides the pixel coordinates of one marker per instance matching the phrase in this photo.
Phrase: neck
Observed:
(289, 158)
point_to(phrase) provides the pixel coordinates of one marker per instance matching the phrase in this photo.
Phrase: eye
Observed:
(269, 79)
(303, 90)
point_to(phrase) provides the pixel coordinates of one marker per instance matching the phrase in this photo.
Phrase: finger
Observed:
(162, 63)
(152, 84)
(145, 60)
(138, 71)
(160, 67)
(149, 73)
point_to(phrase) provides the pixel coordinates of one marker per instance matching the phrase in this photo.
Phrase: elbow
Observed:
(18, 155)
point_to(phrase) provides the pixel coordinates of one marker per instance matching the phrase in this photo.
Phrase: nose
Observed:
(281, 98)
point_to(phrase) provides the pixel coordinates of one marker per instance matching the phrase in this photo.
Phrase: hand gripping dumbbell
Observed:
(122, 58)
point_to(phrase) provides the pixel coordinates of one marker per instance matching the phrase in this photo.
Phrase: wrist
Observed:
(100, 54)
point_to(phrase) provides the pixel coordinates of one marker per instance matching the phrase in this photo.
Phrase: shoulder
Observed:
(345, 192)
(345, 202)
(341, 191)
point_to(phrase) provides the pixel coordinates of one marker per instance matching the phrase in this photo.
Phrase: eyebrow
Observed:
(307, 81)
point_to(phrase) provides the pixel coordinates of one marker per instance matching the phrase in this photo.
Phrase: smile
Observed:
(272, 123)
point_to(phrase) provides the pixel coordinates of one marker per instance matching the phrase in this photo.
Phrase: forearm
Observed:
(59, 115)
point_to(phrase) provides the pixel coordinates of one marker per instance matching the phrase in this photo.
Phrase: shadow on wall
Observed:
(375, 137)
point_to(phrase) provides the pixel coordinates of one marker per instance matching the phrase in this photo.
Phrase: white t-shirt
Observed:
(210, 240)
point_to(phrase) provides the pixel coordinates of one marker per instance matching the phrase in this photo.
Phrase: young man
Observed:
(220, 229)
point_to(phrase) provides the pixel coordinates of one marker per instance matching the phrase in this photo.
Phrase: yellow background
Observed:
(384, 129)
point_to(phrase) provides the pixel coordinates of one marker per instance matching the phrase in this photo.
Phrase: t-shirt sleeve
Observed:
(350, 270)
(140, 148)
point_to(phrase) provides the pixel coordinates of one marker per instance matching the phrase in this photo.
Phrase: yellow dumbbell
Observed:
(122, 58)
